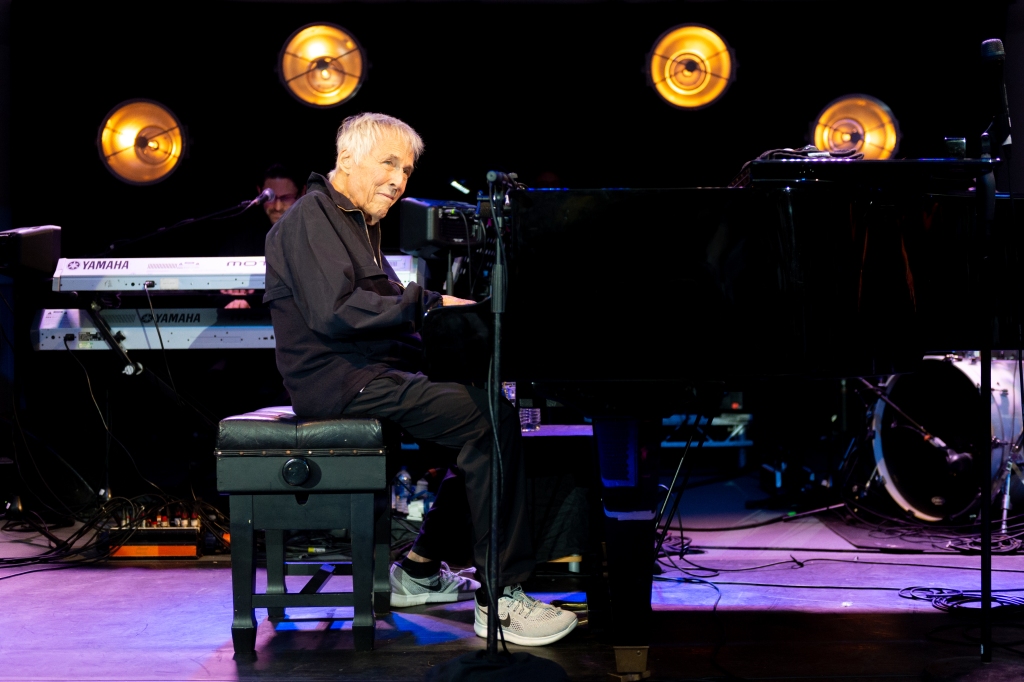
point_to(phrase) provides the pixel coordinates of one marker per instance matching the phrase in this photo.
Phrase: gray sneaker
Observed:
(525, 620)
(444, 586)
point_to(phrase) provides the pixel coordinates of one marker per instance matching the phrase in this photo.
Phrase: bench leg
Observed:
(382, 555)
(362, 570)
(275, 570)
(243, 575)
(363, 637)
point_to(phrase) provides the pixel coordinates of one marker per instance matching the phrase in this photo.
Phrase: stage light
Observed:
(322, 65)
(690, 66)
(141, 142)
(858, 122)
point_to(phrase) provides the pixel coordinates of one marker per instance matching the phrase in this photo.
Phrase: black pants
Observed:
(456, 416)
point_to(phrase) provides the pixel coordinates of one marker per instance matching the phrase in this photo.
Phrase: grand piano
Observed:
(630, 305)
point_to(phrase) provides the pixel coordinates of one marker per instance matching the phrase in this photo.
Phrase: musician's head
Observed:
(376, 156)
(287, 188)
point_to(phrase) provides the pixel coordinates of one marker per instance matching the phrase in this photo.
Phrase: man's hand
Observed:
(237, 303)
(455, 300)
(238, 292)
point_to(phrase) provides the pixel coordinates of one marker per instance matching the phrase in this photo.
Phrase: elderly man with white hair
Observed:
(347, 344)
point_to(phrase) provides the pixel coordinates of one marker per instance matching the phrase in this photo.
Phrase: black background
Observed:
(529, 88)
(546, 90)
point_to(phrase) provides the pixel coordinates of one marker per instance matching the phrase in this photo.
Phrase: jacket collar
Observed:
(320, 183)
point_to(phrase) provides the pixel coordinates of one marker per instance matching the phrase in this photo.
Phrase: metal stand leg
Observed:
(243, 575)
(986, 197)
(1006, 495)
(275, 570)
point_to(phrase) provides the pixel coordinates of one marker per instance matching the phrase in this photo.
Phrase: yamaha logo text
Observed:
(171, 318)
(98, 265)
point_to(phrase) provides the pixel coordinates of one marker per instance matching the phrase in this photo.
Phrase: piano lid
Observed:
(821, 279)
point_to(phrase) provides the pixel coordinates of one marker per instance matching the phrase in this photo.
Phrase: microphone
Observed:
(508, 179)
(993, 58)
(264, 196)
(958, 462)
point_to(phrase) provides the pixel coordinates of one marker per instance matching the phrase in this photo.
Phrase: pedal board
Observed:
(156, 543)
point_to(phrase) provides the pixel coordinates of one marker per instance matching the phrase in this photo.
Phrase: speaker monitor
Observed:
(30, 248)
(427, 226)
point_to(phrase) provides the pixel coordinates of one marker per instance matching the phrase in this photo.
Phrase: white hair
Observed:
(358, 134)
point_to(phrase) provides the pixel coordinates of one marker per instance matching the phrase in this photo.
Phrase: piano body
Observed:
(630, 305)
(634, 304)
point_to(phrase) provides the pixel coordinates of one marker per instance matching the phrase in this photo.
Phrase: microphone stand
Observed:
(229, 212)
(489, 664)
(984, 322)
(986, 197)
(496, 192)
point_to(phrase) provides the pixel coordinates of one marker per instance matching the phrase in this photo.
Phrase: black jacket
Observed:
(340, 315)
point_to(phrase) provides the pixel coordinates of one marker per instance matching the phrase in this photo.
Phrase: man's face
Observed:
(286, 193)
(378, 180)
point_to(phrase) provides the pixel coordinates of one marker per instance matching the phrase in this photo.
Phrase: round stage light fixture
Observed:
(322, 65)
(858, 122)
(141, 141)
(690, 66)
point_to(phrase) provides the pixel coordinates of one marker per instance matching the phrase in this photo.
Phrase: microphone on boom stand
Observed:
(993, 58)
(236, 210)
(490, 664)
(508, 180)
(264, 196)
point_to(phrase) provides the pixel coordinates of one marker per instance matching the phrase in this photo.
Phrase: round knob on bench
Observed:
(295, 471)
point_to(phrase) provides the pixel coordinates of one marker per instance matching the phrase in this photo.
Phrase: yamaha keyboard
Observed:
(160, 274)
(180, 329)
(187, 274)
(194, 326)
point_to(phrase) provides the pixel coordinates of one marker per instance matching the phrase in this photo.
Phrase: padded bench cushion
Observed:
(277, 428)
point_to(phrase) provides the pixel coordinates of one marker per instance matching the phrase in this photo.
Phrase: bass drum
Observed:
(941, 397)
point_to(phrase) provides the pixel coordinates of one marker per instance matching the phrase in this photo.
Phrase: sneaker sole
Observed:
(481, 631)
(402, 601)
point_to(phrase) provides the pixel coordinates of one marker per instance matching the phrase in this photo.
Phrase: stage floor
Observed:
(826, 609)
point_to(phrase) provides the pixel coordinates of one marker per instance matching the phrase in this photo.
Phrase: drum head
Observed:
(919, 476)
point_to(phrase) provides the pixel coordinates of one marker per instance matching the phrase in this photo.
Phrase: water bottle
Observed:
(401, 491)
(421, 488)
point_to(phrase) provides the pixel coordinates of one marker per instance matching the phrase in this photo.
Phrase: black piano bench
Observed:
(286, 473)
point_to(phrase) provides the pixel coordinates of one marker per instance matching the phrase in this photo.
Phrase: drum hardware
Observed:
(958, 462)
(1013, 463)
(929, 475)
(874, 477)
(929, 437)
